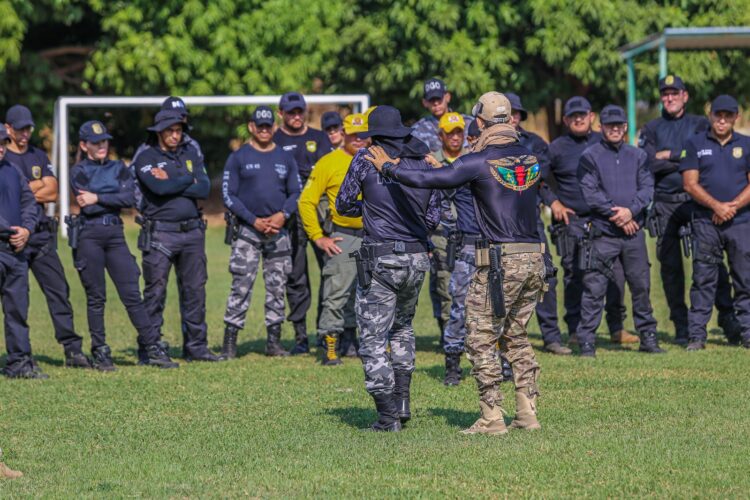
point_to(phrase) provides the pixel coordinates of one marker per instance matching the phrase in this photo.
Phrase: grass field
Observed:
(623, 424)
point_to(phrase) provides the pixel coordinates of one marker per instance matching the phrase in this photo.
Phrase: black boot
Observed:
(349, 345)
(588, 350)
(650, 344)
(452, 368)
(441, 326)
(507, 369)
(681, 335)
(158, 357)
(76, 359)
(732, 328)
(229, 348)
(24, 368)
(401, 395)
(273, 344)
(388, 420)
(103, 359)
(300, 339)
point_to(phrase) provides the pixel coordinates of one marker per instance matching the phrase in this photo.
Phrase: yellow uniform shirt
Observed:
(326, 177)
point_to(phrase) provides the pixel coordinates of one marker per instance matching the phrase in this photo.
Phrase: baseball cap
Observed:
(330, 119)
(671, 82)
(493, 107)
(434, 88)
(165, 119)
(175, 104)
(3, 133)
(473, 130)
(515, 104)
(451, 121)
(263, 115)
(612, 114)
(576, 104)
(19, 117)
(355, 123)
(292, 100)
(725, 103)
(93, 131)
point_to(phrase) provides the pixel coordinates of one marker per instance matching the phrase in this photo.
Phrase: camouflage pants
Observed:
(440, 278)
(455, 329)
(385, 311)
(243, 265)
(339, 285)
(522, 287)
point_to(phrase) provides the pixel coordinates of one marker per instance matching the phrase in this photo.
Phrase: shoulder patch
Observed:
(518, 173)
(36, 172)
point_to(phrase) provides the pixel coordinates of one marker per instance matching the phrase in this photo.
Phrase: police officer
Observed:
(571, 214)
(172, 178)
(344, 236)
(332, 125)
(546, 310)
(618, 186)
(307, 145)
(503, 177)
(260, 187)
(392, 262)
(18, 219)
(42, 247)
(102, 187)
(664, 140)
(715, 167)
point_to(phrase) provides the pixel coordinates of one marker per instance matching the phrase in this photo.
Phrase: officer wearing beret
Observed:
(715, 168)
(172, 178)
(18, 218)
(617, 186)
(664, 140)
(42, 247)
(260, 187)
(102, 187)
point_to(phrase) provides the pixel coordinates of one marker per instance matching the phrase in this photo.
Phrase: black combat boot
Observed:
(681, 335)
(103, 359)
(401, 394)
(695, 344)
(452, 368)
(349, 345)
(300, 339)
(732, 328)
(330, 356)
(388, 420)
(229, 348)
(507, 369)
(206, 357)
(76, 359)
(24, 368)
(157, 357)
(273, 344)
(588, 350)
(650, 344)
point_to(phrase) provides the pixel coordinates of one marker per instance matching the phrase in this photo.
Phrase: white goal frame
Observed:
(61, 139)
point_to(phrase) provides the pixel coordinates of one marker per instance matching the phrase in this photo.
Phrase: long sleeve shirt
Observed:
(564, 155)
(111, 181)
(18, 206)
(260, 183)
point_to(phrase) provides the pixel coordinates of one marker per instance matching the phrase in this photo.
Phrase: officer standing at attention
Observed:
(332, 125)
(715, 169)
(18, 218)
(546, 310)
(503, 177)
(172, 178)
(337, 319)
(307, 145)
(664, 140)
(571, 215)
(42, 247)
(102, 187)
(260, 187)
(391, 264)
(618, 186)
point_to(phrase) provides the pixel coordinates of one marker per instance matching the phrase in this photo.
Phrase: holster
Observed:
(495, 283)
(562, 239)
(74, 224)
(364, 262)
(233, 228)
(653, 222)
(328, 225)
(588, 258)
(550, 271)
(482, 253)
(451, 250)
(145, 236)
(686, 237)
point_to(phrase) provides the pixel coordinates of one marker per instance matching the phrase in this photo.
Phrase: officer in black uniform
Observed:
(715, 168)
(42, 247)
(18, 218)
(102, 188)
(618, 186)
(664, 140)
(333, 126)
(172, 178)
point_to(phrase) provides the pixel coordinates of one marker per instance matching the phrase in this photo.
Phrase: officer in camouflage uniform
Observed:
(391, 264)
(261, 186)
(504, 179)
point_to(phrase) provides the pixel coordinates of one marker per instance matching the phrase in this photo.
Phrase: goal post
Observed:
(61, 139)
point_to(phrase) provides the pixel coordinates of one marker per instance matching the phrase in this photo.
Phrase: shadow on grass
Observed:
(429, 344)
(359, 418)
(457, 418)
(436, 372)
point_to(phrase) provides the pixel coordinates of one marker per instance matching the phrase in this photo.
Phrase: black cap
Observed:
(385, 121)
(93, 131)
(612, 114)
(725, 103)
(330, 119)
(577, 104)
(165, 119)
(292, 100)
(263, 115)
(473, 129)
(173, 103)
(671, 82)
(19, 117)
(3, 133)
(515, 104)
(434, 88)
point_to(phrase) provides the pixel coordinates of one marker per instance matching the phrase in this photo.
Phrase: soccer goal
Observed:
(60, 156)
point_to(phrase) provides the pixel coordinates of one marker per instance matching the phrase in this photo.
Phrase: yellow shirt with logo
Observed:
(326, 177)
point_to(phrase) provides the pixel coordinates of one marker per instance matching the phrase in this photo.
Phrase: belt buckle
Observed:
(399, 247)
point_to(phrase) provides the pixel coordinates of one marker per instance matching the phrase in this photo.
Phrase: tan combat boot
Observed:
(525, 412)
(491, 421)
(624, 337)
(8, 473)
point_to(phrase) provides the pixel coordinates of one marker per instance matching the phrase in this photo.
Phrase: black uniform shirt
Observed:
(34, 164)
(565, 153)
(18, 206)
(112, 182)
(307, 148)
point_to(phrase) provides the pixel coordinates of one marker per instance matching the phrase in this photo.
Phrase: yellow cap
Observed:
(451, 121)
(355, 123)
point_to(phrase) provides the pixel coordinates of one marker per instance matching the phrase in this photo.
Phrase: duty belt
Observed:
(5, 246)
(672, 198)
(396, 247)
(470, 238)
(516, 248)
(104, 220)
(358, 233)
(46, 225)
(177, 227)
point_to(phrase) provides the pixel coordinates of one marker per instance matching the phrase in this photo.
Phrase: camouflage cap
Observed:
(492, 107)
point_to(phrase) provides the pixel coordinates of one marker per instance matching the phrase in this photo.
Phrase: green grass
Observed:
(621, 425)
